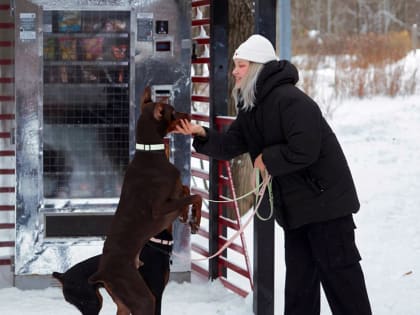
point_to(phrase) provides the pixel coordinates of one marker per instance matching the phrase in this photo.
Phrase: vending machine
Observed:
(80, 69)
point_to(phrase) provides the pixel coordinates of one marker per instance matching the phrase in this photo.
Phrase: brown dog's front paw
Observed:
(195, 218)
(194, 225)
(183, 218)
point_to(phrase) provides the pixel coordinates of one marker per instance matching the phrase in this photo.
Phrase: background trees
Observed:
(343, 17)
(363, 42)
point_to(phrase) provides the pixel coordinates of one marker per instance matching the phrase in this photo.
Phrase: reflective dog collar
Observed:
(150, 147)
(163, 242)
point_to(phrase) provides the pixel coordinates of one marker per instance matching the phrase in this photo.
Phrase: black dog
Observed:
(155, 271)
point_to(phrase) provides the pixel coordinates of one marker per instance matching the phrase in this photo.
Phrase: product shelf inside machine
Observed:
(86, 97)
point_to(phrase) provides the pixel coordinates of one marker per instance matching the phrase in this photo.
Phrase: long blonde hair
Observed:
(246, 92)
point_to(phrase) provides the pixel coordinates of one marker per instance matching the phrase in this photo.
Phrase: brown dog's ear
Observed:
(158, 111)
(147, 97)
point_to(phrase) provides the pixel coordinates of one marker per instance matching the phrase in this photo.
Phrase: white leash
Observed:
(261, 194)
(227, 199)
(258, 192)
(266, 183)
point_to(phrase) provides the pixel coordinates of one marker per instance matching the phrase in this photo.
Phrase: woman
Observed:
(314, 195)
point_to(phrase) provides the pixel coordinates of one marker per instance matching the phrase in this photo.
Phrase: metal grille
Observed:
(86, 103)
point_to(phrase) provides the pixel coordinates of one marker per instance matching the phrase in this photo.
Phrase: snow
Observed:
(380, 137)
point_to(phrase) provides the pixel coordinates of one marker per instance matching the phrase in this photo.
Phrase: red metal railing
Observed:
(225, 181)
(7, 121)
(225, 184)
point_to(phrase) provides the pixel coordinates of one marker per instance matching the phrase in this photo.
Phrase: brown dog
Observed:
(152, 197)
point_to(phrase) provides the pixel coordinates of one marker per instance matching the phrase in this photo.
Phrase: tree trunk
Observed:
(241, 26)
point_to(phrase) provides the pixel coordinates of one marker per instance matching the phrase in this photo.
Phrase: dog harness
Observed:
(161, 245)
(160, 241)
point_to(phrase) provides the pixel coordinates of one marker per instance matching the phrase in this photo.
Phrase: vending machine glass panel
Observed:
(86, 103)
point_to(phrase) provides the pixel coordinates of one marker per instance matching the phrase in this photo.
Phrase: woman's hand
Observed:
(187, 128)
(259, 163)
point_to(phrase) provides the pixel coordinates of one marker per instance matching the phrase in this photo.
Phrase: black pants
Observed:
(324, 253)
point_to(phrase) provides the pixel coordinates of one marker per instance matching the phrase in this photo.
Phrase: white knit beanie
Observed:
(256, 48)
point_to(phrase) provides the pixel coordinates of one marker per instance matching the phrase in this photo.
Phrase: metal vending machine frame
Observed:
(81, 68)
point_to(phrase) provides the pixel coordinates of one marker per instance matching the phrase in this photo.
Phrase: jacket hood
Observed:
(274, 74)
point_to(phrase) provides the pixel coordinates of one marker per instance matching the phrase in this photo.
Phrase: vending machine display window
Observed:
(85, 103)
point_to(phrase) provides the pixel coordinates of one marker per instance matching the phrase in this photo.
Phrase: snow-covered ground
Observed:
(381, 138)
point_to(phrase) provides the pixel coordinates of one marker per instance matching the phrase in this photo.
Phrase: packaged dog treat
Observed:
(69, 21)
(74, 74)
(118, 75)
(50, 75)
(68, 48)
(64, 76)
(92, 48)
(49, 49)
(115, 25)
(119, 52)
(90, 75)
(92, 25)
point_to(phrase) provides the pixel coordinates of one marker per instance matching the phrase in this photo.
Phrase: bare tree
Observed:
(241, 26)
(342, 17)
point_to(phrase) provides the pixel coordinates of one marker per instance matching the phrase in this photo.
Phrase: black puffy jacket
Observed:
(311, 179)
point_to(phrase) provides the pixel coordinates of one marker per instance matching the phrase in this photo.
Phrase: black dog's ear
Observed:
(147, 97)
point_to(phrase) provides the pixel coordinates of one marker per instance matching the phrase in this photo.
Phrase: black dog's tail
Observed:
(59, 276)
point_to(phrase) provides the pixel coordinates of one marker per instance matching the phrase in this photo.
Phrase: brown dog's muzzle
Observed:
(178, 116)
